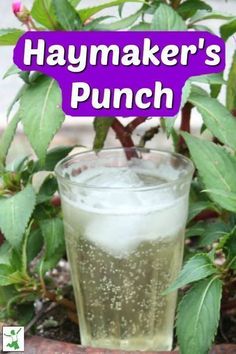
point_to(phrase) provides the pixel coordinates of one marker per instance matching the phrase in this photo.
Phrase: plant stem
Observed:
(134, 124)
(185, 124)
(175, 4)
(125, 138)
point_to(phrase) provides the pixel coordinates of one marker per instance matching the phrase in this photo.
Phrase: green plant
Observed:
(30, 220)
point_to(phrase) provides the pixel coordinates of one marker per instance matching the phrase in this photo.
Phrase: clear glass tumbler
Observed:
(125, 212)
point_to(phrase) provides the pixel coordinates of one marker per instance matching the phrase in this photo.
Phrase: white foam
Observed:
(118, 220)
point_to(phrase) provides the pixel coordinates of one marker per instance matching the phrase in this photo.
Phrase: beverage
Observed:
(125, 246)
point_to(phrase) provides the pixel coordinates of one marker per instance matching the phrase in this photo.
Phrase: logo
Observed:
(13, 339)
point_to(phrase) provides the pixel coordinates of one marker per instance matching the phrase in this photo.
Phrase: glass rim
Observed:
(185, 177)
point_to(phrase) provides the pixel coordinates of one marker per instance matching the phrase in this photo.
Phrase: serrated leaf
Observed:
(15, 213)
(228, 29)
(7, 138)
(10, 36)
(198, 317)
(66, 15)
(217, 118)
(101, 127)
(53, 156)
(40, 109)
(53, 234)
(86, 13)
(16, 99)
(167, 19)
(190, 7)
(43, 13)
(196, 268)
(212, 162)
(231, 87)
(13, 70)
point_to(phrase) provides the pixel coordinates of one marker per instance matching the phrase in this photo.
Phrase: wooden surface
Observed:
(39, 345)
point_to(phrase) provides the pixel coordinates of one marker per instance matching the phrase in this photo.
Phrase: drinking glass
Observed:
(125, 212)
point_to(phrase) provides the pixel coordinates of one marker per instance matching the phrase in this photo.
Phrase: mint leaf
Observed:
(101, 127)
(10, 36)
(212, 162)
(43, 13)
(15, 213)
(198, 316)
(196, 268)
(41, 114)
(217, 118)
(66, 15)
(167, 19)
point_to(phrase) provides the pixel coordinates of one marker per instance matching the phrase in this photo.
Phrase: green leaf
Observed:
(90, 11)
(166, 19)
(231, 87)
(66, 15)
(211, 79)
(190, 7)
(198, 207)
(10, 36)
(47, 189)
(15, 213)
(16, 99)
(213, 231)
(7, 138)
(229, 248)
(5, 272)
(197, 268)
(141, 26)
(206, 15)
(5, 253)
(198, 317)
(101, 127)
(52, 158)
(43, 13)
(228, 29)
(35, 244)
(121, 24)
(74, 3)
(40, 109)
(217, 118)
(53, 234)
(196, 229)
(13, 70)
(212, 162)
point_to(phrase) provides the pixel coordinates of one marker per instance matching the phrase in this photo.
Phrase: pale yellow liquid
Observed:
(119, 298)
